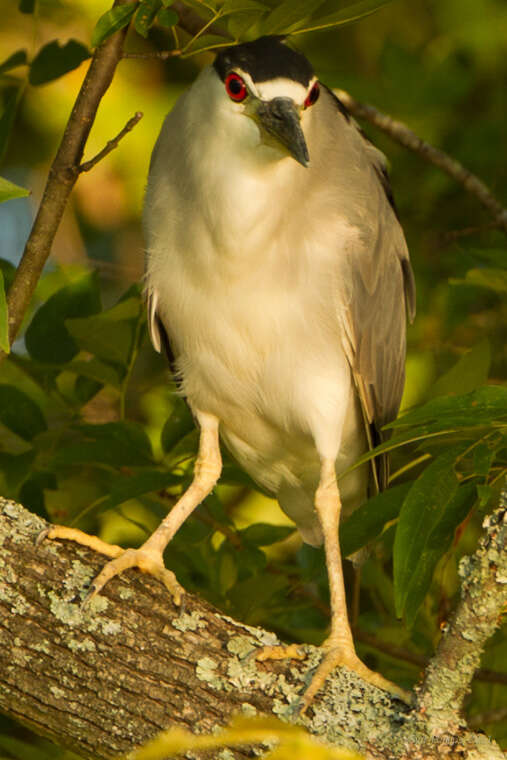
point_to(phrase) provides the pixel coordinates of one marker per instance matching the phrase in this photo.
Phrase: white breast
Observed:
(242, 275)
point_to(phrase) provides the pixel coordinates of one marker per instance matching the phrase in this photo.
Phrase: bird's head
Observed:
(271, 86)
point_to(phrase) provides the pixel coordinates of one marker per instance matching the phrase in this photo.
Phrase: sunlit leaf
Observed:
(492, 279)
(145, 16)
(112, 21)
(96, 370)
(8, 190)
(53, 60)
(47, 337)
(4, 318)
(242, 731)
(241, 6)
(19, 413)
(425, 503)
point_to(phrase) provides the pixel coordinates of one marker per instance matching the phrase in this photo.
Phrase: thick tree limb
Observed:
(62, 177)
(107, 677)
(404, 136)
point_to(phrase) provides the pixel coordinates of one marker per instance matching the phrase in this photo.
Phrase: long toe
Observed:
(347, 657)
(149, 562)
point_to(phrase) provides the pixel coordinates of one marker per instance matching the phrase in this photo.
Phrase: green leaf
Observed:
(352, 12)
(4, 318)
(206, 42)
(19, 413)
(18, 58)
(142, 483)
(264, 534)
(289, 14)
(53, 61)
(8, 190)
(115, 444)
(47, 337)
(178, 424)
(110, 334)
(492, 279)
(112, 21)
(145, 16)
(26, 6)
(368, 521)
(16, 467)
(242, 6)
(425, 503)
(167, 17)
(470, 372)
(437, 544)
(11, 101)
(481, 407)
(94, 369)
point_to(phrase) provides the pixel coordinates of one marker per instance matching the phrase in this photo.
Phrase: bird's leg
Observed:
(149, 557)
(339, 646)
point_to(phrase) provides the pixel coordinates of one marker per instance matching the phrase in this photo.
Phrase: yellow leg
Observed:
(339, 646)
(149, 557)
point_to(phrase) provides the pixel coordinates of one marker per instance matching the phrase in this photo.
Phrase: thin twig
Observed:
(111, 144)
(162, 55)
(404, 136)
(452, 235)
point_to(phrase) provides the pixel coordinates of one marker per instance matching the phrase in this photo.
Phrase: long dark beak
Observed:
(280, 118)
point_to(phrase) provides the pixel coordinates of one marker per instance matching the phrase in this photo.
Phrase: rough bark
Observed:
(105, 676)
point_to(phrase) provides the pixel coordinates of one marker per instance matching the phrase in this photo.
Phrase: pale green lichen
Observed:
(125, 593)
(248, 709)
(189, 621)
(110, 628)
(241, 646)
(206, 671)
(56, 692)
(79, 576)
(225, 754)
(81, 645)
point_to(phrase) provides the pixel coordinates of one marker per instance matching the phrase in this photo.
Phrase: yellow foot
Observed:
(344, 655)
(290, 652)
(148, 561)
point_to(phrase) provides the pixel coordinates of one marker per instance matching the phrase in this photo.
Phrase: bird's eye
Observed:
(312, 96)
(235, 87)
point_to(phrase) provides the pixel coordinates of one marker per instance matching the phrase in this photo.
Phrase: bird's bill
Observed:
(280, 119)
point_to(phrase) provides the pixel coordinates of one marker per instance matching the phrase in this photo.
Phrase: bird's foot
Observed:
(337, 654)
(147, 560)
(280, 652)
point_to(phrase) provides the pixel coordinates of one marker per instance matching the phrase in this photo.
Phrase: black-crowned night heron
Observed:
(278, 280)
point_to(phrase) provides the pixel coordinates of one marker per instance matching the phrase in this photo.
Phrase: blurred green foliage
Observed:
(91, 431)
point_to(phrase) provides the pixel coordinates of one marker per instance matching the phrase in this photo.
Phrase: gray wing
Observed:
(379, 295)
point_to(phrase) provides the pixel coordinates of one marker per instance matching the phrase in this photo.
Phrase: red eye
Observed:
(235, 87)
(312, 96)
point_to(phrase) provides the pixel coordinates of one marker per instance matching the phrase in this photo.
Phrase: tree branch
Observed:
(105, 677)
(111, 144)
(449, 675)
(404, 136)
(62, 177)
